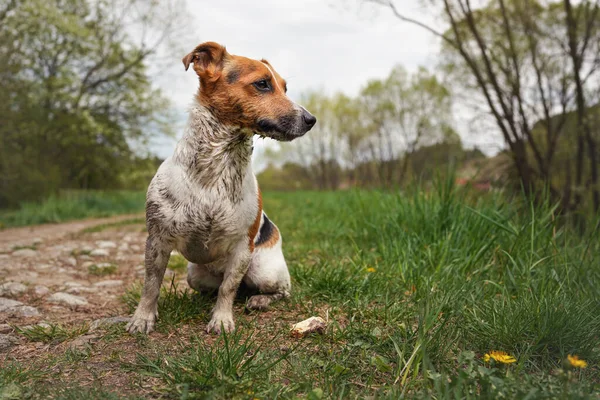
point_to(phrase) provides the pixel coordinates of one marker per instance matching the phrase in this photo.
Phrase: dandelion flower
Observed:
(499, 356)
(371, 269)
(576, 362)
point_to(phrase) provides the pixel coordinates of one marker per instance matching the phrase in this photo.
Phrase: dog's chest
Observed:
(208, 227)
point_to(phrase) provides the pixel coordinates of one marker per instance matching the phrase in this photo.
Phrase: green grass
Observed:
(113, 225)
(74, 204)
(417, 288)
(102, 269)
(177, 263)
(53, 333)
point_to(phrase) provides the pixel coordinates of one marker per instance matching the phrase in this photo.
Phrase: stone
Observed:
(72, 284)
(7, 341)
(106, 244)
(104, 322)
(67, 299)
(37, 241)
(5, 328)
(86, 264)
(81, 289)
(109, 283)
(40, 290)
(6, 304)
(135, 248)
(12, 289)
(16, 307)
(99, 253)
(26, 311)
(24, 253)
(72, 261)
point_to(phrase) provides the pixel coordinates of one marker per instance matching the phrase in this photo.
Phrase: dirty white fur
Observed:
(267, 273)
(202, 202)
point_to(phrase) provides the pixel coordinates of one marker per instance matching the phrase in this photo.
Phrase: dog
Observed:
(205, 202)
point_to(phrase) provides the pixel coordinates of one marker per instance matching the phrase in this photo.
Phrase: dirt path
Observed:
(61, 275)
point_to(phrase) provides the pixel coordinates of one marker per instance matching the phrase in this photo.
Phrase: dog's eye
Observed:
(263, 85)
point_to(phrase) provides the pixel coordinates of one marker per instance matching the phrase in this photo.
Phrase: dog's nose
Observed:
(309, 119)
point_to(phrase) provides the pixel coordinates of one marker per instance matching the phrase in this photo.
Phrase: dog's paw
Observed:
(141, 324)
(220, 323)
(259, 302)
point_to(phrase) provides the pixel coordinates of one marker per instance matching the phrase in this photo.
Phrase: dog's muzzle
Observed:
(288, 127)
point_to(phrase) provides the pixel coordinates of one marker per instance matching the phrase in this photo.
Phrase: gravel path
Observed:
(65, 276)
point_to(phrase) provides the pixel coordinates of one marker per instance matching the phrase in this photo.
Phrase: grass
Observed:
(74, 204)
(52, 333)
(113, 225)
(177, 263)
(417, 287)
(102, 269)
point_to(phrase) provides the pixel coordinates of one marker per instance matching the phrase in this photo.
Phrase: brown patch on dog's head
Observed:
(247, 93)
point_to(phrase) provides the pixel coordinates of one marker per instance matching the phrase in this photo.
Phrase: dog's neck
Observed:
(213, 154)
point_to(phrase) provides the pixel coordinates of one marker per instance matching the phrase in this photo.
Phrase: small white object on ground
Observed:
(313, 324)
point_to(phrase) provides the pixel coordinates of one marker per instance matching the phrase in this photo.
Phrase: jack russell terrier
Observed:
(204, 201)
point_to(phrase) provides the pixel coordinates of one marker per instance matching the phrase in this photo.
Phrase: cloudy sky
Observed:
(327, 45)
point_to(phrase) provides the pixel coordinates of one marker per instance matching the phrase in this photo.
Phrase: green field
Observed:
(75, 204)
(417, 287)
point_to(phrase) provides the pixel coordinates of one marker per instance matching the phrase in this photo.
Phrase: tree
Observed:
(369, 140)
(528, 61)
(76, 97)
(403, 112)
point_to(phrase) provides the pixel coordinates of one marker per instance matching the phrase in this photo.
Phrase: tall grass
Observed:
(430, 282)
(417, 287)
(74, 204)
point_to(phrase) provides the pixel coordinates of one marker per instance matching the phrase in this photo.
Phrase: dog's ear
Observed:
(208, 59)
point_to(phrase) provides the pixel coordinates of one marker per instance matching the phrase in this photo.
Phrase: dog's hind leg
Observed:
(268, 272)
(157, 258)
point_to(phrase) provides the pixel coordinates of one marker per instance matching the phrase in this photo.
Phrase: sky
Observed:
(324, 45)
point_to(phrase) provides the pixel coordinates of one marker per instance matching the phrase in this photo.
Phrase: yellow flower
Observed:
(371, 269)
(499, 356)
(576, 362)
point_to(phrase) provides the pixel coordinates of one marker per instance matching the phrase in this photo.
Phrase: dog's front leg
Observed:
(156, 259)
(222, 317)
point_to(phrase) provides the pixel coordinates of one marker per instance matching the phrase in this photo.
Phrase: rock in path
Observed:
(7, 341)
(106, 244)
(67, 299)
(109, 283)
(99, 253)
(24, 253)
(41, 290)
(16, 307)
(12, 289)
